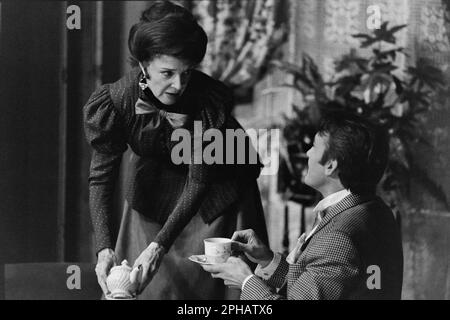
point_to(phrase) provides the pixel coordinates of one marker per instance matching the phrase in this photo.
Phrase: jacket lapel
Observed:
(348, 202)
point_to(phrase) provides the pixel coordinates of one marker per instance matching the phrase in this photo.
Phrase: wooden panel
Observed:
(29, 103)
(83, 75)
(2, 282)
(426, 240)
(48, 281)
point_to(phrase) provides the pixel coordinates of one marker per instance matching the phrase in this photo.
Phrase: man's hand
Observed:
(106, 259)
(248, 242)
(149, 260)
(233, 271)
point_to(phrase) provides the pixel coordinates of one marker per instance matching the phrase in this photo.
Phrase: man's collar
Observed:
(331, 200)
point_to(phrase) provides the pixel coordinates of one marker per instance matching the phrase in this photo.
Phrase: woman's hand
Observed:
(149, 260)
(106, 259)
(248, 242)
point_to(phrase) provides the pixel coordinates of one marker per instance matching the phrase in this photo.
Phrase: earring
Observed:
(143, 83)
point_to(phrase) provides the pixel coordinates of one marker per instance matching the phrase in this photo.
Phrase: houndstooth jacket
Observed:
(338, 261)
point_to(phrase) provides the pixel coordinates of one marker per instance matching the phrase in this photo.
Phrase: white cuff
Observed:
(245, 281)
(267, 272)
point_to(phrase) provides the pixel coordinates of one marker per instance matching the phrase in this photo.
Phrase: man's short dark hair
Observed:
(360, 147)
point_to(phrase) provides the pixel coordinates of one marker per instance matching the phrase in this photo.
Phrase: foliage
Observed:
(372, 86)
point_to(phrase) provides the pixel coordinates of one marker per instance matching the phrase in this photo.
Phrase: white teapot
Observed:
(123, 281)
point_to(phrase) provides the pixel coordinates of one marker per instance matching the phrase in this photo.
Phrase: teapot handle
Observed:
(135, 274)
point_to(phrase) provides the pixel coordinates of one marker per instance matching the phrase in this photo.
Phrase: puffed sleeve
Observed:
(105, 134)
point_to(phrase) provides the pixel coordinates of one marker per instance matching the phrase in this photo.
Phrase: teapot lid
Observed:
(124, 266)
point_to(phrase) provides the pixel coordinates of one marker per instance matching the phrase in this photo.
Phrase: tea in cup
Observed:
(217, 250)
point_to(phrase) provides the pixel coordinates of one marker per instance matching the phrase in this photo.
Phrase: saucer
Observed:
(200, 259)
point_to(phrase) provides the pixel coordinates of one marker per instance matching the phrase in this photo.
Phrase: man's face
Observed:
(169, 77)
(315, 177)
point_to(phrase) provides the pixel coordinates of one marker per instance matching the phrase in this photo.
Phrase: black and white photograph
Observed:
(230, 151)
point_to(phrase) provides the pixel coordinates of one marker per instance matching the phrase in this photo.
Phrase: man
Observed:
(354, 249)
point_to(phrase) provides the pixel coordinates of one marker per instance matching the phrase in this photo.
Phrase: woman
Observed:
(170, 208)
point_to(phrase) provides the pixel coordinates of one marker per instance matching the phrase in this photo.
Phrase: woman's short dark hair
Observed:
(360, 147)
(167, 29)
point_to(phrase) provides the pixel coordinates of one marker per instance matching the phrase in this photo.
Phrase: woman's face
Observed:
(169, 77)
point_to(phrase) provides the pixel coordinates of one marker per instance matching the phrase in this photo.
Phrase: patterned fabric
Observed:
(266, 272)
(295, 253)
(356, 233)
(241, 35)
(320, 209)
(167, 193)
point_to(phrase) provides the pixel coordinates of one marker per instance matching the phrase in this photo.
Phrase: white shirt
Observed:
(330, 200)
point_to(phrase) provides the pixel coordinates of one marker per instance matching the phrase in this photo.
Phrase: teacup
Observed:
(217, 250)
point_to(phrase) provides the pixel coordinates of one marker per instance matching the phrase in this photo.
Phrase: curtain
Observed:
(242, 36)
(446, 6)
